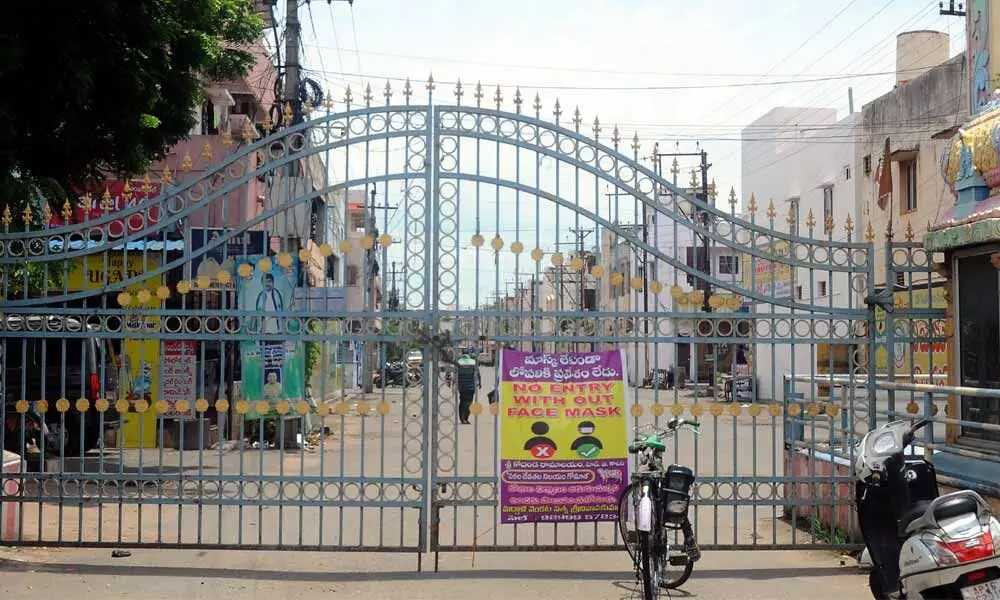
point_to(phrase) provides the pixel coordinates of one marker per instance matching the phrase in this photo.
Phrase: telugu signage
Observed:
(178, 374)
(93, 273)
(768, 278)
(913, 357)
(563, 436)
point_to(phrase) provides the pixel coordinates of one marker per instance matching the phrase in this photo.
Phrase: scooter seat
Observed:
(953, 507)
(915, 512)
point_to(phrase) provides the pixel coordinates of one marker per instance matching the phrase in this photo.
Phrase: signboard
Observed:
(272, 368)
(179, 374)
(89, 272)
(766, 277)
(914, 358)
(563, 436)
(93, 204)
(236, 245)
(141, 377)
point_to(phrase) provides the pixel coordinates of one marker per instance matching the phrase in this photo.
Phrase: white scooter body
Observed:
(938, 550)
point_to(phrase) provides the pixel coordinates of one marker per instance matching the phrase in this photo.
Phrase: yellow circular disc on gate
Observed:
(384, 408)
(285, 260)
(363, 408)
(101, 405)
(576, 263)
(636, 410)
(656, 287)
(385, 240)
(221, 406)
(261, 407)
(696, 410)
(121, 406)
(201, 405)
(477, 240)
(144, 296)
(735, 409)
(182, 406)
(161, 407)
(345, 246)
(812, 409)
(494, 409)
(497, 243)
(367, 242)
(617, 278)
(21, 406)
(82, 405)
(537, 254)
(124, 299)
(597, 271)
(774, 410)
(305, 255)
(715, 409)
(637, 283)
(281, 407)
(245, 270)
(42, 406)
(264, 265)
(677, 409)
(556, 259)
(657, 410)
(141, 406)
(517, 248)
(326, 250)
(62, 405)
(476, 409)
(794, 409)
(302, 407)
(754, 410)
(163, 292)
(912, 407)
(242, 407)
(203, 281)
(183, 287)
(223, 277)
(832, 410)
(342, 408)
(322, 409)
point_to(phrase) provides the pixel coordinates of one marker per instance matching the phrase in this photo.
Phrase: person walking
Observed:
(468, 379)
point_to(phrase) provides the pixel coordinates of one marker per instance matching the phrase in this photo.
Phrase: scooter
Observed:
(921, 545)
(397, 373)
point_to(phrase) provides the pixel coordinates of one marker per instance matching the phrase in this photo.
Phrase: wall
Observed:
(919, 118)
(802, 170)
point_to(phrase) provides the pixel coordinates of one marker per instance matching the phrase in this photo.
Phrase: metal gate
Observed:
(426, 228)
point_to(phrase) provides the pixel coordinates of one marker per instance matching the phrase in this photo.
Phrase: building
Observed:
(794, 172)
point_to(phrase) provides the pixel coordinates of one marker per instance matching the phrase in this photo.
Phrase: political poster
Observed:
(563, 436)
(272, 365)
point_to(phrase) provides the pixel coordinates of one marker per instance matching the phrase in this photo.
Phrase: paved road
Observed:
(171, 574)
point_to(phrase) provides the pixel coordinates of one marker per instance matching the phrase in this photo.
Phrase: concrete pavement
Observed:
(217, 575)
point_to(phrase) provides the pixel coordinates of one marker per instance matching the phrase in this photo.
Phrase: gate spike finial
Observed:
(186, 162)
(348, 96)
(849, 225)
(869, 232)
(407, 90)
(206, 152)
(771, 211)
(46, 213)
(368, 95)
(328, 102)
(537, 105)
(518, 100)
(752, 205)
(675, 168)
(828, 224)
(597, 127)
(615, 135)
(908, 234)
(147, 183)
(713, 192)
(557, 109)
(810, 219)
(478, 95)
(7, 218)
(792, 217)
(458, 91)
(287, 115)
(387, 92)
(635, 141)
(498, 97)
(732, 197)
(694, 179)
(430, 83)
(577, 119)
(27, 214)
(248, 132)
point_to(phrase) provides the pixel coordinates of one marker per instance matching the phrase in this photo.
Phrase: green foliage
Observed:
(108, 85)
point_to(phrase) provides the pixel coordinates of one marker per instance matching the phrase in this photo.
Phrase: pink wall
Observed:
(842, 516)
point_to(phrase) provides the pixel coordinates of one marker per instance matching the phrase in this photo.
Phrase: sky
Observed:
(688, 75)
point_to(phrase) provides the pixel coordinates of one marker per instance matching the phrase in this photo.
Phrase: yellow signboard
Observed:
(90, 272)
(768, 278)
(916, 358)
(140, 382)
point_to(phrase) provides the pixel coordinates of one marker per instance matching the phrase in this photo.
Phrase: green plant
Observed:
(828, 534)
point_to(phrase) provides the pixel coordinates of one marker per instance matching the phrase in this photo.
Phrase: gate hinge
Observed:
(883, 299)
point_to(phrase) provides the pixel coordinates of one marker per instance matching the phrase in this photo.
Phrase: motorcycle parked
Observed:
(397, 373)
(921, 545)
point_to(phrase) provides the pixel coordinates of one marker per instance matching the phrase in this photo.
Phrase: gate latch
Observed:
(883, 298)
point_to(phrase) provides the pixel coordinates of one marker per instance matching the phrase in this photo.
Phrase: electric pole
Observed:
(293, 33)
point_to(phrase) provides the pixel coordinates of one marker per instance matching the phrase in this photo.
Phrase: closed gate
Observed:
(229, 310)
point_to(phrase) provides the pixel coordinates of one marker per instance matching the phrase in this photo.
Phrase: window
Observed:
(908, 175)
(901, 279)
(357, 220)
(353, 275)
(827, 205)
(847, 172)
(729, 265)
(695, 258)
(798, 292)
(822, 289)
(866, 165)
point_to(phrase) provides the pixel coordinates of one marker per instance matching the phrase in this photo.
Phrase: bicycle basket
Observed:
(676, 490)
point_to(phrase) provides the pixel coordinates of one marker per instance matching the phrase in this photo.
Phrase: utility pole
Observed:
(293, 33)
(371, 273)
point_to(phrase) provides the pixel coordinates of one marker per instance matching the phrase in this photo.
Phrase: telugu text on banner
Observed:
(563, 432)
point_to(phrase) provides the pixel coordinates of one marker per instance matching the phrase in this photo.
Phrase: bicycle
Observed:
(658, 499)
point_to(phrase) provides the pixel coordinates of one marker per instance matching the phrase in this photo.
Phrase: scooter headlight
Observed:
(885, 443)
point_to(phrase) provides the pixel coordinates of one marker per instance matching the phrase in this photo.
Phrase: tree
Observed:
(107, 86)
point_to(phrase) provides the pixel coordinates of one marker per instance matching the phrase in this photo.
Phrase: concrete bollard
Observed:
(10, 487)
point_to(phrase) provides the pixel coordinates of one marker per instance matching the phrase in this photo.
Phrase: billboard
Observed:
(914, 357)
(768, 278)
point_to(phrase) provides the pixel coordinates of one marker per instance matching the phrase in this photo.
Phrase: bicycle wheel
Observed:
(672, 577)
(647, 565)
(627, 502)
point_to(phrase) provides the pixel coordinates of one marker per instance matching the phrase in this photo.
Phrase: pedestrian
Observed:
(468, 380)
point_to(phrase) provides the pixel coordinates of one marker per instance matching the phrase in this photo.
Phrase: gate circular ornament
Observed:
(302, 407)
(21, 406)
(201, 405)
(656, 409)
(677, 409)
(141, 406)
(162, 407)
(755, 410)
(42, 406)
(261, 407)
(101, 404)
(242, 407)
(122, 406)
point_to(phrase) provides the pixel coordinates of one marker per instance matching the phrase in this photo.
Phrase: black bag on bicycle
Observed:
(676, 494)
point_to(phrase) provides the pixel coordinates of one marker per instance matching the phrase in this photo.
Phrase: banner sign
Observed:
(913, 357)
(771, 278)
(179, 372)
(563, 436)
(272, 368)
